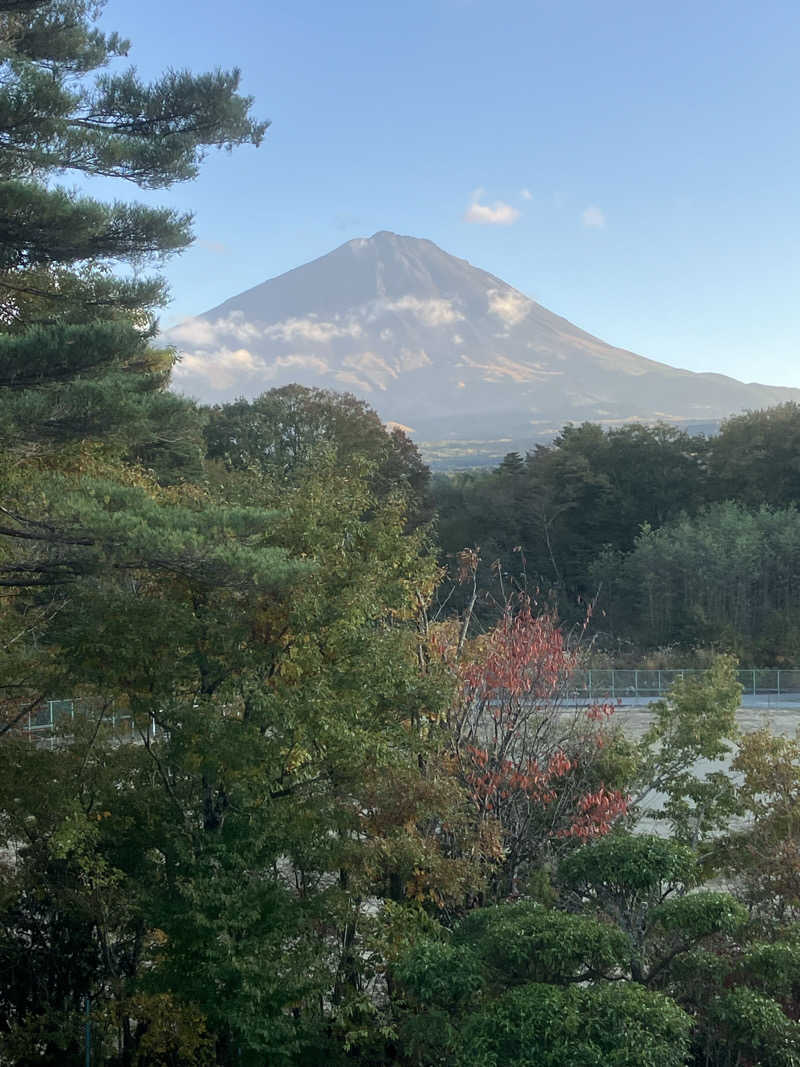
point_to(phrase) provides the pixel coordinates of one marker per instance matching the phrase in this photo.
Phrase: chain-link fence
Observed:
(597, 683)
(589, 684)
(51, 718)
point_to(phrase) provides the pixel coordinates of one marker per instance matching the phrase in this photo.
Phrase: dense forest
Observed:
(677, 541)
(313, 797)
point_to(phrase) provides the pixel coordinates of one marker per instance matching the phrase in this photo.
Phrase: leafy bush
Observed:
(602, 1025)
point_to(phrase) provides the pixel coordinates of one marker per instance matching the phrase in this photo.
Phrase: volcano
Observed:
(439, 346)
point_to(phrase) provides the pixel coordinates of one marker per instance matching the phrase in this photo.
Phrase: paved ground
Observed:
(782, 715)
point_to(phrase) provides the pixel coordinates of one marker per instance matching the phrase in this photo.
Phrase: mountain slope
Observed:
(437, 345)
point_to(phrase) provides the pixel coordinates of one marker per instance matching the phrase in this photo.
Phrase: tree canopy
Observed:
(680, 540)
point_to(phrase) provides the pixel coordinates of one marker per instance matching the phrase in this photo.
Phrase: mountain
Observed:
(439, 346)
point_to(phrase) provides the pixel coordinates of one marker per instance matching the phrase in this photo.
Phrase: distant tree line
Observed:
(681, 539)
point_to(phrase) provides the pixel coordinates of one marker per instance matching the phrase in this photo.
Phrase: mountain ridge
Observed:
(438, 345)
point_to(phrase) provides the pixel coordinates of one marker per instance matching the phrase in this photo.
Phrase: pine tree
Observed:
(75, 349)
(82, 387)
(90, 437)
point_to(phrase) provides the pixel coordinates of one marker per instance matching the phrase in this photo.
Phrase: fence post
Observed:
(778, 672)
(754, 681)
(636, 683)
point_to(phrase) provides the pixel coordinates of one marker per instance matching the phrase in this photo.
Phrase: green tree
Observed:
(214, 879)
(87, 427)
(524, 984)
(640, 882)
(763, 855)
(727, 576)
(284, 432)
(564, 502)
(134, 588)
(76, 360)
(695, 722)
(754, 458)
(286, 789)
(593, 1026)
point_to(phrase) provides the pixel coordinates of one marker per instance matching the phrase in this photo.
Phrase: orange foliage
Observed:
(524, 756)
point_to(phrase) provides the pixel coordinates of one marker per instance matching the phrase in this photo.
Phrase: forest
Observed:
(684, 543)
(315, 794)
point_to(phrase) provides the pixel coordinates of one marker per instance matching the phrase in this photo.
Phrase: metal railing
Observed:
(613, 683)
(595, 683)
(52, 713)
(52, 716)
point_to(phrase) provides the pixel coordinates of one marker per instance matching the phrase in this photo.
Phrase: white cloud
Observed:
(370, 367)
(349, 378)
(312, 363)
(222, 370)
(413, 359)
(433, 312)
(310, 329)
(228, 368)
(497, 214)
(526, 194)
(192, 332)
(498, 367)
(593, 217)
(200, 333)
(509, 305)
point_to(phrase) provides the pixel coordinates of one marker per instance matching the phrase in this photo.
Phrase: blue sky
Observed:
(633, 166)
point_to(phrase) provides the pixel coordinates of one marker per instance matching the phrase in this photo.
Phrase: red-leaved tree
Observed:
(530, 761)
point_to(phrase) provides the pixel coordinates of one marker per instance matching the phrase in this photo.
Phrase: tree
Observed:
(726, 576)
(285, 431)
(538, 774)
(753, 458)
(547, 1026)
(266, 630)
(520, 983)
(156, 569)
(604, 485)
(764, 854)
(88, 430)
(640, 883)
(696, 721)
(287, 787)
(75, 354)
(565, 501)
